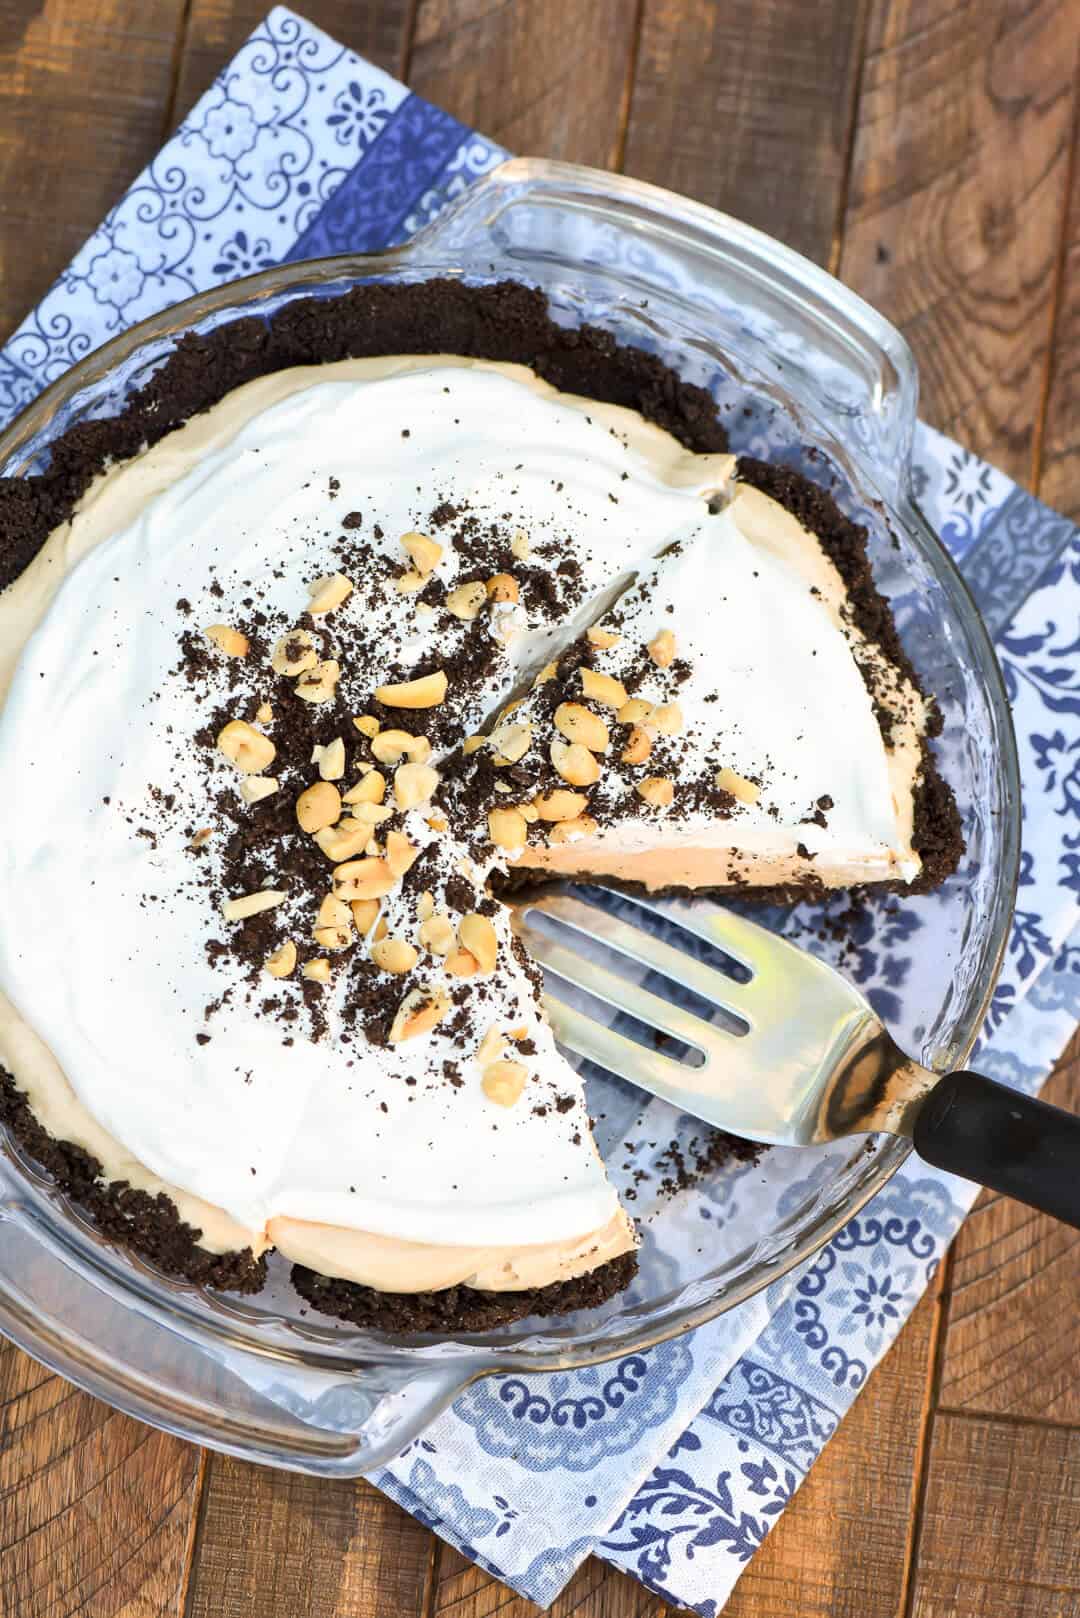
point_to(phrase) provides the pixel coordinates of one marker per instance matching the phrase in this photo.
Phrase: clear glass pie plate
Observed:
(796, 363)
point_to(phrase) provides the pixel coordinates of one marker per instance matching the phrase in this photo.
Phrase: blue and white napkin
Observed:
(672, 1465)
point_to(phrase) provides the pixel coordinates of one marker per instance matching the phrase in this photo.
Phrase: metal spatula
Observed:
(798, 1056)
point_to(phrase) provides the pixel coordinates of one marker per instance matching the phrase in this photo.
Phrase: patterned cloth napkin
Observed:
(674, 1464)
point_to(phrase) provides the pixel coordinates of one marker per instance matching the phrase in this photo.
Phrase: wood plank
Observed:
(748, 106)
(595, 1591)
(273, 1544)
(79, 117)
(1058, 471)
(377, 29)
(1011, 1344)
(1001, 1523)
(840, 1549)
(545, 79)
(956, 200)
(95, 1509)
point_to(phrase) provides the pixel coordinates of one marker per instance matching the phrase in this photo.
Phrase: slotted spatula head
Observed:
(787, 1052)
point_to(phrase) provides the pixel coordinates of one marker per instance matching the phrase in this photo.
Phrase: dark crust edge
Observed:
(506, 321)
(459, 1308)
(148, 1225)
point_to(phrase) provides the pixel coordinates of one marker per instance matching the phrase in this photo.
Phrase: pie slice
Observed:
(743, 717)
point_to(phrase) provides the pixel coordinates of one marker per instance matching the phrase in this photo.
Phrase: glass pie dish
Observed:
(800, 369)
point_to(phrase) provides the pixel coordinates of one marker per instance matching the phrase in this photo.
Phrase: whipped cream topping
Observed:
(103, 947)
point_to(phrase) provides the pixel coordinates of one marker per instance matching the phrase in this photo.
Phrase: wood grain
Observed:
(748, 106)
(276, 1545)
(1058, 471)
(548, 79)
(376, 29)
(79, 117)
(595, 1591)
(1001, 1527)
(840, 1549)
(95, 1508)
(1014, 1305)
(956, 203)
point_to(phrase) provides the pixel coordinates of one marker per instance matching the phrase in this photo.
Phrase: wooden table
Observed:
(927, 151)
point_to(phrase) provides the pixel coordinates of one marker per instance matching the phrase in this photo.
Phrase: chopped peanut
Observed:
(327, 593)
(394, 955)
(657, 790)
(662, 648)
(503, 1082)
(491, 1047)
(254, 788)
(424, 553)
(364, 879)
(425, 905)
(477, 935)
(739, 787)
(502, 587)
(246, 747)
(510, 742)
(520, 545)
(331, 759)
(603, 688)
(414, 784)
(367, 724)
(418, 1013)
(461, 964)
(635, 712)
(264, 714)
(437, 934)
(252, 904)
(333, 913)
(465, 602)
(569, 831)
(391, 745)
(227, 639)
(400, 853)
(282, 963)
(579, 724)
(426, 692)
(365, 913)
(560, 804)
(319, 684)
(318, 970)
(294, 654)
(371, 788)
(410, 582)
(668, 719)
(345, 840)
(575, 763)
(318, 806)
(638, 746)
(603, 638)
(507, 829)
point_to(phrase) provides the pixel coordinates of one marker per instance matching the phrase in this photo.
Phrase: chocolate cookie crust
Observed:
(459, 1309)
(148, 1225)
(505, 321)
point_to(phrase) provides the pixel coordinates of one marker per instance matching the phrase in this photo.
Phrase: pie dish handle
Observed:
(337, 1416)
(597, 242)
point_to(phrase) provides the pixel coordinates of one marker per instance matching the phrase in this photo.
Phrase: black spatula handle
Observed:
(1010, 1142)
